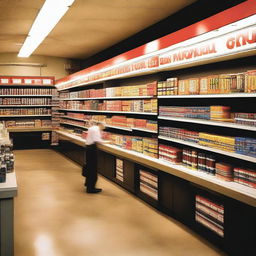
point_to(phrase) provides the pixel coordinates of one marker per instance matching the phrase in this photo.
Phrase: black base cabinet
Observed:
(240, 226)
(178, 198)
(31, 140)
(106, 164)
(182, 201)
(72, 151)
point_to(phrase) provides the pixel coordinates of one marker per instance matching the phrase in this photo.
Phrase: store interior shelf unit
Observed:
(231, 189)
(208, 122)
(195, 145)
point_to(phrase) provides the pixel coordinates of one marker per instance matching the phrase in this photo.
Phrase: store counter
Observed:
(8, 190)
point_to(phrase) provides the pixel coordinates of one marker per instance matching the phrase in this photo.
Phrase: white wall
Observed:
(54, 66)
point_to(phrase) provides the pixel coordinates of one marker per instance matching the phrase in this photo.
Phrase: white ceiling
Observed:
(88, 27)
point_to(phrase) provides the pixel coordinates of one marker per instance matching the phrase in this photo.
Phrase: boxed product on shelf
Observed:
(199, 161)
(245, 146)
(224, 171)
(151, 125)
(245, 118)
(168, 87)
(228, 83)
(126, 106)
(170, 154)
(250, 84)
(149, 184)
(216, 141)
(245, 177)
(146, 146)
(150, 147)
(188, 86)
(186, 112)
(46, 123)
(114, 105)
(210, 214)
(220, 113)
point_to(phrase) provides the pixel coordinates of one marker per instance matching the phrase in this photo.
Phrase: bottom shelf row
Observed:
(208, 212)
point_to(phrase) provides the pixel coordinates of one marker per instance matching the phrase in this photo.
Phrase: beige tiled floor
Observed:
(54, 217)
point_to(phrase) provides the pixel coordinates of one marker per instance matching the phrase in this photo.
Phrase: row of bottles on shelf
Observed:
(6, 154)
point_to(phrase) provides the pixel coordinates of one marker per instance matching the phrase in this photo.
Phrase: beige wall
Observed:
(54, 66)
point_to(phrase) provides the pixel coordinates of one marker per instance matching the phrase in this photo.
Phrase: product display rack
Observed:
(177, 188)
(30, 90)
(177, 176)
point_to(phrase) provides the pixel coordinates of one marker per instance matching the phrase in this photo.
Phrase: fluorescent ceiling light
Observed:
(47, 18)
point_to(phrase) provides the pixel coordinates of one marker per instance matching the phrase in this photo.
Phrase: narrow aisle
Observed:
(55, 217)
